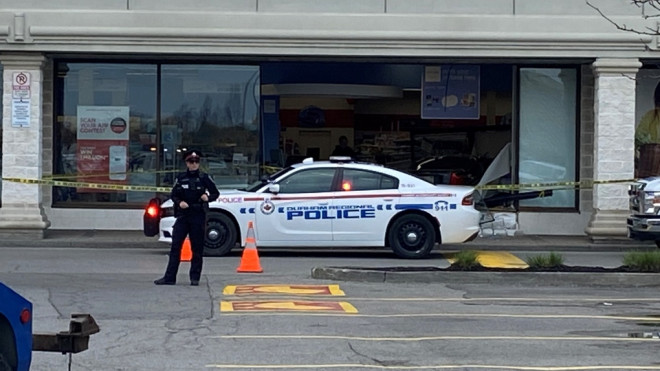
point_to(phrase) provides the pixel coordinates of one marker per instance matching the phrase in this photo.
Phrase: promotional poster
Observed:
(103, 135)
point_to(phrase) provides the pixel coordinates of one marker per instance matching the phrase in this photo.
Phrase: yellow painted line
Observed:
(434, 338)
(495, 259)
(312, 290)
(287, 306)
(353, 366)
(469, 315)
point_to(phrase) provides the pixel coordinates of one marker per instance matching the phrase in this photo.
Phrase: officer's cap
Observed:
(191, 154)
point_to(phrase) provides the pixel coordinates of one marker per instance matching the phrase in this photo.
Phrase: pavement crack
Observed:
(52, 304)
(384, 363)
(211, 300)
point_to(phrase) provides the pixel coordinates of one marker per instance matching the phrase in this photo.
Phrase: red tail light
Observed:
(152, 211)
(455, 179)
(468, 200)
(25, 316)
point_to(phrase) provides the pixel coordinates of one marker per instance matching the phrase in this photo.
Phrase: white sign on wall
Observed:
(103, 122)
(20, 103)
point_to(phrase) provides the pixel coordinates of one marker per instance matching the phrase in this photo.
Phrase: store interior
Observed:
(378, 108)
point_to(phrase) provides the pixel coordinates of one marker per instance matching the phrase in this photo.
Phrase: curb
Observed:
(437, 275)
(86, 243)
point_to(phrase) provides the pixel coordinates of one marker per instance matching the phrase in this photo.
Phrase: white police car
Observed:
(336, 203)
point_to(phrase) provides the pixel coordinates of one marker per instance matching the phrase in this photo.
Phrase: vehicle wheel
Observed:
(221, 235)
(411, 237)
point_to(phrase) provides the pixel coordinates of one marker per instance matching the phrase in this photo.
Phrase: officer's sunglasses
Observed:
(193, 161)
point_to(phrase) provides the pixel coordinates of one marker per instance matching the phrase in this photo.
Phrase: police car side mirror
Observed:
(274, 188)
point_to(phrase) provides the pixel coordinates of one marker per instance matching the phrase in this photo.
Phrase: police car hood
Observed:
(223, 193)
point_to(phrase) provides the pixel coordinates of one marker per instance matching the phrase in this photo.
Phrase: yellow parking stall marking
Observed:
(320, 290)
(495, 259)
(286, 306)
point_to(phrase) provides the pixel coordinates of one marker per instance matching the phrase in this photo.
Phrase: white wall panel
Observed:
(62, 4)
(197, 5)
(322, 6)
(553, 223)
(95, 219)
(491, 7)
(575, 7)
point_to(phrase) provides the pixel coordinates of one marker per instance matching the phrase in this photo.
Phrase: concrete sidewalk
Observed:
(136, 239)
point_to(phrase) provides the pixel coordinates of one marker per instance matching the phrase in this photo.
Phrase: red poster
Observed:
(102, 155)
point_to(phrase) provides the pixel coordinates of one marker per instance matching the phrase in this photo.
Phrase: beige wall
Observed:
(402, 28)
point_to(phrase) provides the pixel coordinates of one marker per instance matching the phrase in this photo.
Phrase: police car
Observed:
(335, 203)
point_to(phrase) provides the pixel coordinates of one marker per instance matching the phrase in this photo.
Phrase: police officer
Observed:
(192, 192)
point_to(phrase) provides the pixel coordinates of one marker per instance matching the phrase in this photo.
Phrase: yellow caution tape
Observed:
(81, 176)
(554, 185)
(106, 186)
(137, 188)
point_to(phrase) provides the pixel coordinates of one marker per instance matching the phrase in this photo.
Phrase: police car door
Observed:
(364, 206)
(298, 214)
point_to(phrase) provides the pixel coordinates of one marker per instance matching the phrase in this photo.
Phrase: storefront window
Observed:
(108, 129)
(103, 123)
(548, 132)
(214, 109)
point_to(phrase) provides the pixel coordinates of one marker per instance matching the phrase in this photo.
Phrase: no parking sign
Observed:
(20, 107)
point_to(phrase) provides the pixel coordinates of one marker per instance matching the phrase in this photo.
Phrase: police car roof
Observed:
(334, 160)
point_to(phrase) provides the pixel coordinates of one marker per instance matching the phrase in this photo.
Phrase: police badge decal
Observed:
(267, 207)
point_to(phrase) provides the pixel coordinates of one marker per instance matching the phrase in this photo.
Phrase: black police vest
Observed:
(190, 189)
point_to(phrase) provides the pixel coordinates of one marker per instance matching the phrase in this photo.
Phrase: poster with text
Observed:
(450, 92)
(102, 138)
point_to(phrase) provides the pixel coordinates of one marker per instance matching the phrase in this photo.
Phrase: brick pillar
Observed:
(614, 144)
(22, 212)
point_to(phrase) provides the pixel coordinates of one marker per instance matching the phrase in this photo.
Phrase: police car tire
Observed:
(227, 233)
(415, 224)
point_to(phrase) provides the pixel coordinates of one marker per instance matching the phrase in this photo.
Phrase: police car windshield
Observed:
(266, 179)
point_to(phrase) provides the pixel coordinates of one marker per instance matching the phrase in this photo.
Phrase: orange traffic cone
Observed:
(186, 251)
(250, 259)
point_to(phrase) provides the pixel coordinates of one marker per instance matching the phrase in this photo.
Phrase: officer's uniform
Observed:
(189, 187)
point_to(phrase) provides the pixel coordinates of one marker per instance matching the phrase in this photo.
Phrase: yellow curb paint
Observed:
(495, 259)
(315, 290)
(286, 306)
(500, 259)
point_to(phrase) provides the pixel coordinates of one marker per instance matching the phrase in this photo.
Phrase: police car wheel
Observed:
(221, 235)
(412, 237)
